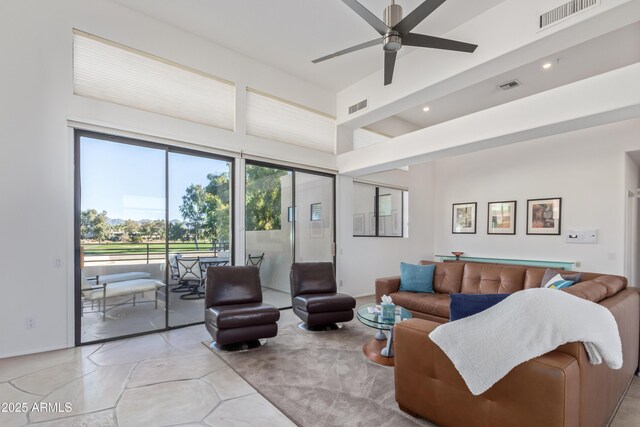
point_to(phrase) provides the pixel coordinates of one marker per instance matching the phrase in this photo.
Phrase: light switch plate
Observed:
(589, 236)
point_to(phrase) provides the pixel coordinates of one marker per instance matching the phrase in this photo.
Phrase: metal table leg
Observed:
(388, 350)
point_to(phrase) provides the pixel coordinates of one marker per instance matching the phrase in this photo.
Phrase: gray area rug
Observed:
(323, 378)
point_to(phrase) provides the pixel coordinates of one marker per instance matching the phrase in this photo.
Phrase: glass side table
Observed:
(373, 348)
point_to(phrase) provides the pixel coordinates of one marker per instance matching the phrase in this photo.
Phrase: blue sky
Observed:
(128, 181)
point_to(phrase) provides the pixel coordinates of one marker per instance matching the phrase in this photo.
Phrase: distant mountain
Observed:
(115, 221)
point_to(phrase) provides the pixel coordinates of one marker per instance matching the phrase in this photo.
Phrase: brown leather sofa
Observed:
(560, 388)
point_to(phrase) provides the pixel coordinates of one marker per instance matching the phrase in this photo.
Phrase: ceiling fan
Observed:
(396, 32)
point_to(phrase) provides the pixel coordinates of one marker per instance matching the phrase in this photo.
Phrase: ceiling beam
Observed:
(605, 98)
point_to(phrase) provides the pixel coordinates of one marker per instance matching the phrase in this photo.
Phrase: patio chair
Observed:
(174, 274)
(255, 261)
(191, 278)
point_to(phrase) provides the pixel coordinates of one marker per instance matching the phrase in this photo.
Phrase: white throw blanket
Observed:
(486, 346)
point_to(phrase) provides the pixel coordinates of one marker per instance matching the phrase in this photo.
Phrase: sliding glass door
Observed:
(122, 238)
(199, 229)
(289, 217)
(149, 220)
(314, 226)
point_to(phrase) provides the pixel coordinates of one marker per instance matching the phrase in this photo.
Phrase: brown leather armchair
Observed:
(314, 297)
(235, 316)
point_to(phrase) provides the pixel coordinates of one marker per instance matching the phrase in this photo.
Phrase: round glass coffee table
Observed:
(375, 349)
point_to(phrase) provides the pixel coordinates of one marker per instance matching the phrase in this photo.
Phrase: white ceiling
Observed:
(608, 52)
(288, 34)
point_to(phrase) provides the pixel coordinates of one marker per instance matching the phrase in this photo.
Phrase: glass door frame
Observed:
(77, 208)
(294, 170)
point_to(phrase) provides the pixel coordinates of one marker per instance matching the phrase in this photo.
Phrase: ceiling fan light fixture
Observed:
(392, 42)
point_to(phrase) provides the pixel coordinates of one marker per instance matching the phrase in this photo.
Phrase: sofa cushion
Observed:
(465, 305)
(416, 278)
(322, 303)
(448, 277)
(549, 274)
(434, 304)
(492, 279)
(241, 315)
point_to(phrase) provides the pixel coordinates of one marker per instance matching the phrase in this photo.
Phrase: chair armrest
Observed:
(386, 286)
(597, 289)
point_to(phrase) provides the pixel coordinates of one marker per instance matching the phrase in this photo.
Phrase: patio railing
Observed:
(95, 253)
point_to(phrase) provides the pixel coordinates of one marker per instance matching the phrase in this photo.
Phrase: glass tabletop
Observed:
(374, 319)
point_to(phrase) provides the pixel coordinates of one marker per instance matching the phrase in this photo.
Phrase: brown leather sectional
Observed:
(560, 388)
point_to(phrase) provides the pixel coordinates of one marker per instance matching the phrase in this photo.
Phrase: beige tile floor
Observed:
(125, 319)
(167, 378)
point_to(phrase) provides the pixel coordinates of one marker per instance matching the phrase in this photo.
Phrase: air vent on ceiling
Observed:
(564, 11)
(357, 107)
(509, 85)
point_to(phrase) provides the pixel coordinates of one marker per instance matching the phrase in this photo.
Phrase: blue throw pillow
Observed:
(416, 278)
(464, 305)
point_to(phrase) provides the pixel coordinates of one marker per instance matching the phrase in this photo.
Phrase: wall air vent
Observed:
(564, 11)
(357, 107)
(509, 85)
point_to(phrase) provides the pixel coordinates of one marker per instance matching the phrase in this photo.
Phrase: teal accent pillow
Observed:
(416, 278)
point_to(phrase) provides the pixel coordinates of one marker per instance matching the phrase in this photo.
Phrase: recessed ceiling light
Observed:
(546, 65)
(425, 109)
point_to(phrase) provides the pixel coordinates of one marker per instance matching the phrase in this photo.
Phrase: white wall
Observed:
(363, 259)
(36, 173)
(586, 168)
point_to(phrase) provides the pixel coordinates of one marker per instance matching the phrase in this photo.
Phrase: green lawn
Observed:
(141, 248)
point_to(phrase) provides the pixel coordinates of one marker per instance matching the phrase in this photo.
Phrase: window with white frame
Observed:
(379, 211)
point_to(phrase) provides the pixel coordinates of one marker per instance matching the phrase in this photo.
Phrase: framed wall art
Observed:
(543, 216)
(501, 217)
(464, 218)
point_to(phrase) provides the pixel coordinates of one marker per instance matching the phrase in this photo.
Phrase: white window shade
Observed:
(272, 118)
(110, 72)
(364, 137)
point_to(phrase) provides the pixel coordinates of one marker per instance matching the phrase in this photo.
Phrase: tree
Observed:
(177, 231)
(130, 229)
(152, 229)
(193, 209)
(94, 225)
(264, 192)
(217, 208)
(158, 230)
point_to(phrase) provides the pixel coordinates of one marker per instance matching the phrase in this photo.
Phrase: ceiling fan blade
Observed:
(349, 49)
(421, 40)
(366, 14)
(389, 64)
(410, 21)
